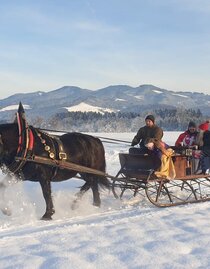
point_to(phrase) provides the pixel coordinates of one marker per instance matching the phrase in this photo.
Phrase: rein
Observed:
(109, 139)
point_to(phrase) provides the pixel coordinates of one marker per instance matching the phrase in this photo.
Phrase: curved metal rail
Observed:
(178, 192)
(192, 188)
(165, 193)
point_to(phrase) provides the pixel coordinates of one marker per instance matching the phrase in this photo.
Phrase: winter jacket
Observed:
(199, 138)
(188, 139)
(145, 133)
(206, 143)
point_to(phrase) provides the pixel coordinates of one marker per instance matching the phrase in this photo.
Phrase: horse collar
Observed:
(57, 145)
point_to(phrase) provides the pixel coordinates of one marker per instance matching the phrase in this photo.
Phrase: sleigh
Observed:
(41, 157)
(136, 177)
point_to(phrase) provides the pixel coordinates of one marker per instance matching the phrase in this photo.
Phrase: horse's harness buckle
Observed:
(62, 156)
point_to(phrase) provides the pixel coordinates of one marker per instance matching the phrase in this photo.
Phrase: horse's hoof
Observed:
(74, 205)
(97, 204)
(46, 218)
(6, 211)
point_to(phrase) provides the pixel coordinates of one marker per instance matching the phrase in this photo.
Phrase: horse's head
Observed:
(1, 146)
(8, 142)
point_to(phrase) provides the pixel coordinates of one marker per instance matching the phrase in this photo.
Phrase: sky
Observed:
(130, 233)
(96, 43)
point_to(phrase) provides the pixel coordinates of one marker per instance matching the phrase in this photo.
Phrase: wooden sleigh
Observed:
(136, 176)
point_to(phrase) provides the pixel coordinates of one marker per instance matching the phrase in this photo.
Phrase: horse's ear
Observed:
(21, 109)
(20, 113)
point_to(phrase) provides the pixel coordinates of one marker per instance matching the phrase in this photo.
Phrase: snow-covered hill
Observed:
(83, 107)
(121, 234)
(112, 98)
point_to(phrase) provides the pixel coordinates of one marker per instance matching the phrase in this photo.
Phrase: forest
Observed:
(169, 119)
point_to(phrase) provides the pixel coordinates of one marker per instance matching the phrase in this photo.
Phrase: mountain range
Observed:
(114, 98)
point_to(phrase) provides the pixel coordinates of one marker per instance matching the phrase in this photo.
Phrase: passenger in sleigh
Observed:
(150, 130)
(164, 152)
(188, 138)
(205, 153)
(202, 128)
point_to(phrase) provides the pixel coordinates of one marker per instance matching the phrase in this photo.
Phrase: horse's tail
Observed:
(103, 181)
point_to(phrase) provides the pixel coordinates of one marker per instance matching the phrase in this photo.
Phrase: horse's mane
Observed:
(5, 126)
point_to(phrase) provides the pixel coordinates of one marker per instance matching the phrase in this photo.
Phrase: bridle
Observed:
(26, 141)
(25, 145)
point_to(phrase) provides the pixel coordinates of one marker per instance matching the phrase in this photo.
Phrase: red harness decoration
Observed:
(26, 137)
(20, 140)
(25, 142)
(31, 140)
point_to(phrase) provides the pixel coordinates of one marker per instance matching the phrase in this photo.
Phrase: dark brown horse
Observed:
(78, 148)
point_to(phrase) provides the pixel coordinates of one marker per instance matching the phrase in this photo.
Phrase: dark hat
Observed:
(150, 117)
(191, 124)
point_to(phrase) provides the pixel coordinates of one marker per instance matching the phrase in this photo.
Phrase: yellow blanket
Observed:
(167, 169)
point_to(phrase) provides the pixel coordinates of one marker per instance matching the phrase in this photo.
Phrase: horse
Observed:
(77, 148)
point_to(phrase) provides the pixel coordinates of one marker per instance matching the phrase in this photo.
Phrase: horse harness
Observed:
(52, 145)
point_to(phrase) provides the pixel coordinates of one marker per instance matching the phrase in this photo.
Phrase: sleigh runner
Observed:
(136, 176)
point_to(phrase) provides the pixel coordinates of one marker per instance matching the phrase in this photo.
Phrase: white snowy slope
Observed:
(180, 95)
(117, 235)
(159, 92)
(83, 107)
(13, 107)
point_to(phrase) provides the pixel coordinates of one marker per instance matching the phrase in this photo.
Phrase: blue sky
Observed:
(96, 43)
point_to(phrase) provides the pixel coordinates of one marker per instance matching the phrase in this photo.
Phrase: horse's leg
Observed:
(96, 194)
(79, 195)
(46, 190)
(3, 185)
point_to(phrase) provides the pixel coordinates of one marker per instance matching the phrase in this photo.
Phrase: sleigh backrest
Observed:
(136, 165)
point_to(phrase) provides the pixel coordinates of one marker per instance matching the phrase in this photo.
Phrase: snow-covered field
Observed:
(117, 235)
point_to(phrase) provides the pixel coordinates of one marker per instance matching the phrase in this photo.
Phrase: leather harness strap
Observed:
(55, 149)
(61, 154)
(26, 144)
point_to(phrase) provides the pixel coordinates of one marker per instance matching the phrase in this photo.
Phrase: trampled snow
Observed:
(121, 234)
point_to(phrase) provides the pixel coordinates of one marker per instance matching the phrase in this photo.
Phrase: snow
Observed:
(180, 95)
(119, 99)
(83, 107)
(157, 91)
(121, 234)
(140, 97)
(13, 107)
